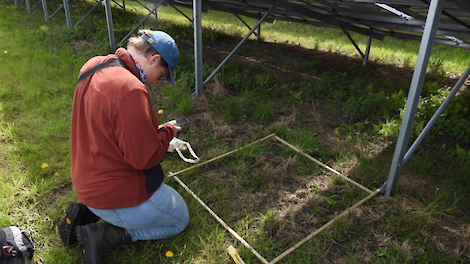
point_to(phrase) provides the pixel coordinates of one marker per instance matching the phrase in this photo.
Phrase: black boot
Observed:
(96, 240)
(76, 214)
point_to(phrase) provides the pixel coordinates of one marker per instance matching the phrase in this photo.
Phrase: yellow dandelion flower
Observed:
(5, 52)
(56, 174)
(160, 111)
(169, 254)
(44, 165)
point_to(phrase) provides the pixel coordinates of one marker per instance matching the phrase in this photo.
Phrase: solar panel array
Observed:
(398, 18)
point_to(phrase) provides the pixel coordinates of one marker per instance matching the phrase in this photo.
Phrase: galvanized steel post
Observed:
(67, 14)
(417, 81)
(436, 115)
(109, 21)
(197, 27)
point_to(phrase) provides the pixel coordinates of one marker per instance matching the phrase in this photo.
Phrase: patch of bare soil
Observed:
(81, 46)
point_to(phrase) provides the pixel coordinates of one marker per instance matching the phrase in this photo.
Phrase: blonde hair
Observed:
(143, 47)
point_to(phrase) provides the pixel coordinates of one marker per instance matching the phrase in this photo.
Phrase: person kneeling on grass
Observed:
(116, 148)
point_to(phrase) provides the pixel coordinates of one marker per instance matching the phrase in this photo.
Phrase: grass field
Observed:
(304, 84)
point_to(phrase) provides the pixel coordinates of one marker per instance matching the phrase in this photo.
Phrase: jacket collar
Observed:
(126, 58)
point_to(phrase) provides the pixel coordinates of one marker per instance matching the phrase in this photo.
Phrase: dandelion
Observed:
(56, 174)
(160, 111)
(169, 254)
(5, 52)
(44, 165)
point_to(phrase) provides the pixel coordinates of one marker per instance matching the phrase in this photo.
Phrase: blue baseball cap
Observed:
(165, 45)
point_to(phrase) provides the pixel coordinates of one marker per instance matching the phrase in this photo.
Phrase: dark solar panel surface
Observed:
(399, 18)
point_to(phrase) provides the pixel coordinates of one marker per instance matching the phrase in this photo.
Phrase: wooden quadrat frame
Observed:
(301, 242)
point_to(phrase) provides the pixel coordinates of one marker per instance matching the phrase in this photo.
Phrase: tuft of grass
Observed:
(264, 112)
(303, 139)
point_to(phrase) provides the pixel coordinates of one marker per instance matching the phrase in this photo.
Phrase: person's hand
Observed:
(176, 128)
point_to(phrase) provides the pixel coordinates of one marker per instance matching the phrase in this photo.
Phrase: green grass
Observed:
(344, 116)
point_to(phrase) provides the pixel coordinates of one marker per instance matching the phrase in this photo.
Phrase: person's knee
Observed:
(183, 223)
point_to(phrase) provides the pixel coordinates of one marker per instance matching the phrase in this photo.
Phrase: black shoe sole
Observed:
(68, 224)
(87, 245)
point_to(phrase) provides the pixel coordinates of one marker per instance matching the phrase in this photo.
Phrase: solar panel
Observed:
(397, 18)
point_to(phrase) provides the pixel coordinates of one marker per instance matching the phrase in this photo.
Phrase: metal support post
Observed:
(258, 35)
(417, 81)
(197, 26)
(46, 13)
(242, 41)
(438, 113)
(109, 21)
(28, 7)
(67, 14)
(369, 41)
(353, 42)
(155, 8)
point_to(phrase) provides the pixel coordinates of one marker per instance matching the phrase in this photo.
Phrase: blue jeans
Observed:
(163, 215)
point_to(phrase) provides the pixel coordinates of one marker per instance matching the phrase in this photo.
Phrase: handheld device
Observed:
(182, 121)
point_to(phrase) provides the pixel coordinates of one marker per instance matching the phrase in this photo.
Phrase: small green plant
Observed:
(43, 31)
(264, 112)
(267, 79)
(231, 110)
(388, 129)
(9, 132)
(436, 69)
(442, 204)
(179, 102)
(336, 180)
(253, 183)
(297, 95)
(386, 255)
(408, 62)
(303, 139)
(235, 81)
(270, 221)
(208, 34)
(314, 66)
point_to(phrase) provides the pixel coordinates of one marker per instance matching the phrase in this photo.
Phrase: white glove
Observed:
(179, 145)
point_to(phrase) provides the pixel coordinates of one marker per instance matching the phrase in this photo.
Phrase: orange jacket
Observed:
(116, 145)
